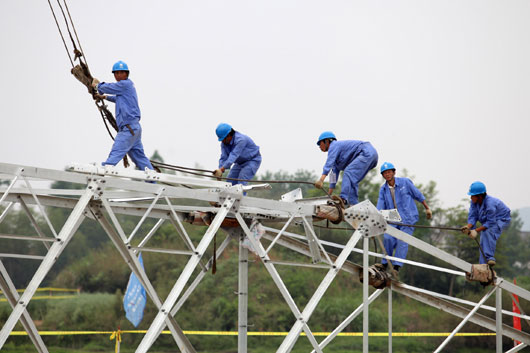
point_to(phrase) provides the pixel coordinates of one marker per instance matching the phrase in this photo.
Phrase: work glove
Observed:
(95, 83)
(319, 183)
(465, 230)
(428, 213)
(472, 234)
(100, 96)
(218, 173)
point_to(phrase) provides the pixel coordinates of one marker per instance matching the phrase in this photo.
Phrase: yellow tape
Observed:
(117, 336)
(257, 333)
(46, 297)
(49, 289)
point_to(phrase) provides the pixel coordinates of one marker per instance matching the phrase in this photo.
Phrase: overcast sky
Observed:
(440, 88)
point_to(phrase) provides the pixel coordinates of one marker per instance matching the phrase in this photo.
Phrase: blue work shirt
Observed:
(124, 95)
(405, 194)
(492, 212)
(240, 150)
(340, 154)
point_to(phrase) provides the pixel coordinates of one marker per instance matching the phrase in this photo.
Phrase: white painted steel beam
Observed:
(310, 307)
(461, 312)
(134, 264)
(158, 323)
(348, 320)
(64, 237)
(429, 249)
(10, 292)
(278, 281)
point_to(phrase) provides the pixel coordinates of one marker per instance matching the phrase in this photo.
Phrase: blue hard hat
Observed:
(223, 130)
(120, 66)
(477, 188)
(387, 166)
(326, 135)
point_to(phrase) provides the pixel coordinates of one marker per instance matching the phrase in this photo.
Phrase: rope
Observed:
(61, 33)
(75, 32)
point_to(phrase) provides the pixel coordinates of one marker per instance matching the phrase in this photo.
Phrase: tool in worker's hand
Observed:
(319, 183)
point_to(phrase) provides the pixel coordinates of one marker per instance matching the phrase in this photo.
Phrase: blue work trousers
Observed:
(127, 143)
(245, 171)
(355, 172)
(488, 241)
(401, 248)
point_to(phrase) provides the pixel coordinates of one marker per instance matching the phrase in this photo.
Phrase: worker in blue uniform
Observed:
(128, 140)
(399, 193)
(353, 157)
(494, 217)
(238, 153)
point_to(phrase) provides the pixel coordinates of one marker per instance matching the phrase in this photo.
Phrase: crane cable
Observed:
(82, 72)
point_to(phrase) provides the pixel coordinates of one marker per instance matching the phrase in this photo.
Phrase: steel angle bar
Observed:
(360, 251)
(43, 173)
(366, 313)
(17, 174)
(242, 303)
(302, 248)
(348, 320)
(135, 266)
(22, 256)
(466, 319)
(517, 348)
(110, 171)
(151, 232)
(69, 228)
(175, 220)
(158, 323)
(114, 220)
(310, 307)
(27, 237)
(198, 279)
(10, 292)
(512, 288)
(163, 251)
(498, 319)
(279, 234)
(6, 210)
(430, 249)
(147, 212)
(40, 206)
(278, 281)
(313, 239)
(33, 221)
(390, 320)
(462, 301)
(461, 312)
(299, 264)
(200, 276)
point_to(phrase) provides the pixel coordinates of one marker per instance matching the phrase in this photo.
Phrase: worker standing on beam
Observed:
(355, 158)
(238, 153)
(128, 140)
(494, 217)
(399, 193)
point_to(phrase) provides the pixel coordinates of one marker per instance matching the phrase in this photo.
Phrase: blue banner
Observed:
(134, 300)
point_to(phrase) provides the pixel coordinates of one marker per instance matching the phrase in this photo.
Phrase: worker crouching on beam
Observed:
(128, 140)
(399, 193)
(494, 217)
(238, 153)
(355, 158)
